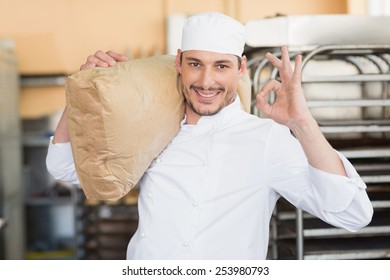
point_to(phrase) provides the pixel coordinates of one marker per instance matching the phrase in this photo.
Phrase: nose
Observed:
(207, 78)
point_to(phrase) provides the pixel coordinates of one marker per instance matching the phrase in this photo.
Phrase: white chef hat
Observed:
(213, 32)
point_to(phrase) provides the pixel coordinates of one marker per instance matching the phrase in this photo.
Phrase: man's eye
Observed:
(222, 66)
(194, 64)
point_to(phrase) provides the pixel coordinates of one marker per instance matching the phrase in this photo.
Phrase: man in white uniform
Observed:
(211, 193)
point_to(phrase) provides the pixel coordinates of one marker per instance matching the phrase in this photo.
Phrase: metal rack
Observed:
(103, 229)
(352, 108)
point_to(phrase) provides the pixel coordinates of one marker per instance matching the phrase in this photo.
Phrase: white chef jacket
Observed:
(211, 193)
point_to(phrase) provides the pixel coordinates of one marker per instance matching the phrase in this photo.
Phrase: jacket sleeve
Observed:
(60, 164)
(341, 201)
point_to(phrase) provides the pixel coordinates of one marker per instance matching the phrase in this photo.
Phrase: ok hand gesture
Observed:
(290, 107)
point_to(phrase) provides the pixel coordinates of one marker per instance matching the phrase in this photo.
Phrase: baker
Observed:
(211, 193)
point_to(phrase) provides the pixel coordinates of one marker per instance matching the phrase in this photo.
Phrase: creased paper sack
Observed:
(120, 118)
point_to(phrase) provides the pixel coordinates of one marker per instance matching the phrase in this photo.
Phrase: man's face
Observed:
(209, 81)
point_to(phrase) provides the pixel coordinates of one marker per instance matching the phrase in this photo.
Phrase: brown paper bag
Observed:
(121, 118)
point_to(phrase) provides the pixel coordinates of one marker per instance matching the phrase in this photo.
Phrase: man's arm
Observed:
(61, 135)
(291, 110)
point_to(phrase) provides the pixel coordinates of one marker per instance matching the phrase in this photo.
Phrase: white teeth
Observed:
(208, 95)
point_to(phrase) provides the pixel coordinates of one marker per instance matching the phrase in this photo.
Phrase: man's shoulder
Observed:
(249, 121)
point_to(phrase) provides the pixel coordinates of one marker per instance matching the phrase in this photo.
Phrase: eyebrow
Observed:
(222, 61)
(192, 59)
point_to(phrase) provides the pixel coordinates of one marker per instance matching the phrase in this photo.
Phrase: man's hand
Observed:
(102, 59)
(290, 107)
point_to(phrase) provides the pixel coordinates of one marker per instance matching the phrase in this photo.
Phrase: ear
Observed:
(242, 69)
(178, 62)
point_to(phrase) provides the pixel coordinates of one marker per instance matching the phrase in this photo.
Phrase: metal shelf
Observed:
(48, 201)
(349, 103)
(366, 152)
(294, 231)
(362, 254)
(360, 78)
(354, 128)
(339, 233)
(105, 227)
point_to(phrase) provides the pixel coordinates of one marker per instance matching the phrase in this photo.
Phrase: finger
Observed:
(110, 57)
(87, 66)
(286, 63)
(261, 98)
(274, 60)
(262, 104)
(103, 57)
(298, 68)
(285, 56)
(271, 85)
(282, 65)
(92, 61)
(116, 56)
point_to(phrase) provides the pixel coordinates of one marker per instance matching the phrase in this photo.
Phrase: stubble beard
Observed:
(205, 112)
(186, 93)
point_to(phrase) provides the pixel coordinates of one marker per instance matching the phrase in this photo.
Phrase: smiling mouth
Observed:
(209, 93)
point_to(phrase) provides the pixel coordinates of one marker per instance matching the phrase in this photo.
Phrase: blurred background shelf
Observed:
(353, 111)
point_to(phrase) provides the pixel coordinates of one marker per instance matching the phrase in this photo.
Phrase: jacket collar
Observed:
(215, 120)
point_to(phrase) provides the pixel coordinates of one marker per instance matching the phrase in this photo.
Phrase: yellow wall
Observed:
(55, 36)
(250, 9)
